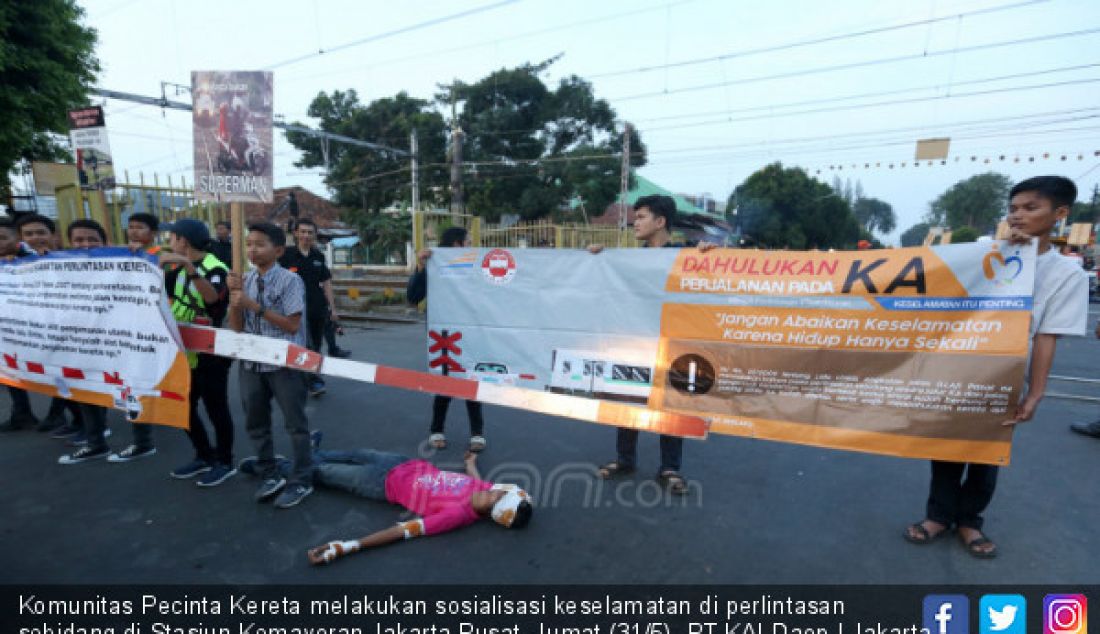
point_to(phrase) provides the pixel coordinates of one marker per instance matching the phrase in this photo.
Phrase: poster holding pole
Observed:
(88, 133)
(236, 223)
(232, 129)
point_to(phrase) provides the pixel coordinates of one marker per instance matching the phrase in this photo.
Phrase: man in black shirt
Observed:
(309, 263)
(653, 220)
(221, 246)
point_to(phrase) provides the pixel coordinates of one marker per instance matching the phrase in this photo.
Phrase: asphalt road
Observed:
(758, 512)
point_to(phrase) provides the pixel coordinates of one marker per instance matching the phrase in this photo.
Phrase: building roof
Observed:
(310, 205)
(645, 187)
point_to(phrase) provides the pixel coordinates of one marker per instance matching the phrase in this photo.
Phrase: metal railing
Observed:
(555, 236)
(168, 202)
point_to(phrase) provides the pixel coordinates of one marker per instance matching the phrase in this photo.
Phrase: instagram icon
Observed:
(1065, 614)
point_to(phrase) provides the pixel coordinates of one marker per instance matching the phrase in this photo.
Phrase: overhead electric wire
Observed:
(399, 31)
(778, 115)
(815, 41)
(863, 64)
(866, 95)
(464, 47)
(939, 130)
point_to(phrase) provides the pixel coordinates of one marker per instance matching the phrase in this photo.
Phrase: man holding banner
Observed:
(89, 234)
(653, 220)
(1060, 307)
(21, 414)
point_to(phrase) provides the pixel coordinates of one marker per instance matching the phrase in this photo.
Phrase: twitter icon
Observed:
(1002, 614)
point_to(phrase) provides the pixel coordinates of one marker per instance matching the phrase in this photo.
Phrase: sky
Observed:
(716, 88)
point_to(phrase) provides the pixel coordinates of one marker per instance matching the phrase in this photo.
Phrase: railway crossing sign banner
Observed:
(94, 326)
(915, 352)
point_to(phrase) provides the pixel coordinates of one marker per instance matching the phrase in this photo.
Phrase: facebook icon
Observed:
(946, 614)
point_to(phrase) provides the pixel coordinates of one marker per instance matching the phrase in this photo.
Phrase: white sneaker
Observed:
(131, 453)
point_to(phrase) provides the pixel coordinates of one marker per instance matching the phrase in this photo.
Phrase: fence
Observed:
(168, 202)
(429, 226)
(554, 236)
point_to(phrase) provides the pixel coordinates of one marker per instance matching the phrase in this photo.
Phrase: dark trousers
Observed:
(289, 391)
(20, 402)
(58, 406)
(626, 443)
(439, 414)
(960, 492)
(315, 337)
(95, 423)
(143, 435)
(330, 336)
(210, 384)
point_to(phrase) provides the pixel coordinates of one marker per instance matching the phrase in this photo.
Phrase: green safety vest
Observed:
(187, 302)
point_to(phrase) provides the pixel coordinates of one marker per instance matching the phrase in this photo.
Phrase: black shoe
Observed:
(51, 422)
(1088, 429)
(19, 421)
(340, 353)
(83, 454)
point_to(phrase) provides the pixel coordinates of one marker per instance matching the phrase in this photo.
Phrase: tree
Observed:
(1087, 212)
(874, 215)
(964, 234)
(977, 202)
(365, 180)
(914, 236)
(784, 208)
(533, 149)
(47, 65)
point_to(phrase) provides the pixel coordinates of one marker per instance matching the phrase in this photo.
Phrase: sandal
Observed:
(477, 444)
(974, 547)
(437, 441)
(673, 481)
(922, 536)
(614, 469)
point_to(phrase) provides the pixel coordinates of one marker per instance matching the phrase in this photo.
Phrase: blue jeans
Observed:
(362, 471)
(672, 449)
(289, 391)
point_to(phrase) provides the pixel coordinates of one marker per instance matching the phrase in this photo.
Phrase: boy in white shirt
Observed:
(1059, 307)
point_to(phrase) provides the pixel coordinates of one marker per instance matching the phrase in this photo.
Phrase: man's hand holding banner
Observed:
(94, 326)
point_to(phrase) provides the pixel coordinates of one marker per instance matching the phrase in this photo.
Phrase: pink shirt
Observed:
(441, 498)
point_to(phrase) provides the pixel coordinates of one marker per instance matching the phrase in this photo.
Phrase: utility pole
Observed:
(457, 205)
(413, 151)
(624, 185)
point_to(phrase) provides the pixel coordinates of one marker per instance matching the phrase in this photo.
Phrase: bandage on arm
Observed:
(412, 528)
(333, 550)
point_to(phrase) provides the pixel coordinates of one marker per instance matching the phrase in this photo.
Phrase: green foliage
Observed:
(964, 234)
(914, 236)
(47, 65)
(1087, 212)
(784, 208)
(366, 180)
(977, 202)
(527, 149)
(874, 215)
(534, 149)
(385, 234)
